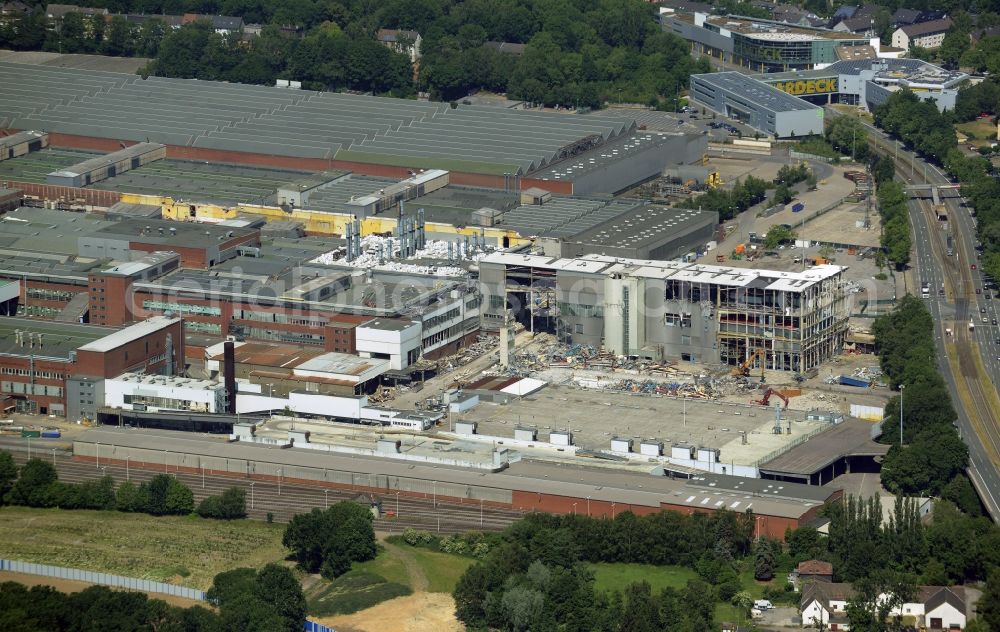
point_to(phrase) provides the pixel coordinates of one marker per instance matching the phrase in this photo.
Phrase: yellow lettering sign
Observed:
(811, 86)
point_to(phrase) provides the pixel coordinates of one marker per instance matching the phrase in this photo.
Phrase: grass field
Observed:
(983, 130)
(442, 570)
(397, 570)
(608, 577)
(188, 551)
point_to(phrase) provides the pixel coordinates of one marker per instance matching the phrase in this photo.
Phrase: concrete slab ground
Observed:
(596, 416)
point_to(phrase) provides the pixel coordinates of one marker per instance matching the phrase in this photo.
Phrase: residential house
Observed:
(13, 8)
(824, 604)
(933, 607)
(923, 34)
(507, 48)
(221, 24)
(56, 12)
(10, 11)
(905, 17)
(856, 25)
(814, 570)
(171, 21)
(407, 42)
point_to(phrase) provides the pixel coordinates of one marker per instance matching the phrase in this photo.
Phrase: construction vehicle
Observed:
(713, 180)
(764, 401)
(743, 370)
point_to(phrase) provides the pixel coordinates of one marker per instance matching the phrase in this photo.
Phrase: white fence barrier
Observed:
(103, 579)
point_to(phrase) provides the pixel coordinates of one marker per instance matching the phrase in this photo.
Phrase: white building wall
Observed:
(394, 344)
(948, 614)
(814, 613)
(199, 398)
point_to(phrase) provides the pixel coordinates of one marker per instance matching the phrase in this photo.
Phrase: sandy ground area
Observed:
(68, 586)
(419, 612)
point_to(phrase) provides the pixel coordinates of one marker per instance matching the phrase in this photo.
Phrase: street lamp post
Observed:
(434, 501)
(53, 457)
(279, 481)
(251, 495)
(588, 506)
(29, 448)
(166, 453)
(97, 451)
(127, 457)
(326, 498)
(480, 513)
(574, 509)
(397, 504)
(612, 509)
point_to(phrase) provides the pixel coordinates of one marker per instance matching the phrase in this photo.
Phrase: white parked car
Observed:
(763, 604)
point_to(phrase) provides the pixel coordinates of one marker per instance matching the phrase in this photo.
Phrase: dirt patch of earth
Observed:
(71, 586)
(419, 612)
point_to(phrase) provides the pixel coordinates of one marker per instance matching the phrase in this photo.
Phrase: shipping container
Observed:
(846, 380)
(51, 434)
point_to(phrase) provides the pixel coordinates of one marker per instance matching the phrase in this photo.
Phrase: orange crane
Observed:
(764, 401)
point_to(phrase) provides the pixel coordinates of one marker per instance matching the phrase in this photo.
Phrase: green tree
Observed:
(34, 485)
(8, 474)
(777, 235)
(764, 560)
(875, 597)
(131, 497)
(782, 194)
(330, 541)
(989, 604)
(848, 136)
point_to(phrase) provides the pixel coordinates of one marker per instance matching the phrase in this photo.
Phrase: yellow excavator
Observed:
(743, 370)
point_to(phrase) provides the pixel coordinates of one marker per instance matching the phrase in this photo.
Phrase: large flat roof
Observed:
(129, 334)
(851, 437)
(644, 225)
(180, 179)
(691, 272)
(564, 480)
(58, 339)
(756, 91)
(276, 121)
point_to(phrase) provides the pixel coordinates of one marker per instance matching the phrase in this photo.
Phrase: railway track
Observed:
(284, 500)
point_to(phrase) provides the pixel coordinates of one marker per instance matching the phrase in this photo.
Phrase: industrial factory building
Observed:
(322, 131)
(107, 166)
(53, 368)
(657, 309)
(760, 106)
(22, 143)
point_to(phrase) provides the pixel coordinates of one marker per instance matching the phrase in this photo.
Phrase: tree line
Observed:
(37, 484)
(580, 54)
(933, 457)
(535, 576)
(931, 134)
(265, 600)
(729, 203)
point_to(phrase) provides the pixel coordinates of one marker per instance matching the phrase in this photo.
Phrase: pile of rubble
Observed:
(382, 253)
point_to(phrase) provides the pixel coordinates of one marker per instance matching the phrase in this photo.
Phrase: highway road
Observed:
(969, 359)
(285, 500)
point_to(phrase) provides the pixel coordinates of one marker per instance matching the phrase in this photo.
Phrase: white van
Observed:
(763, 604)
